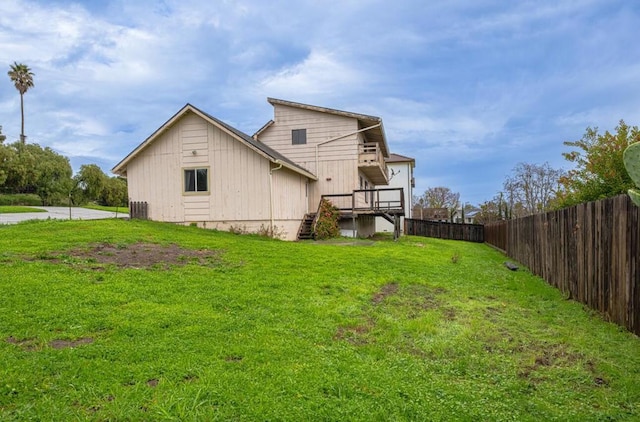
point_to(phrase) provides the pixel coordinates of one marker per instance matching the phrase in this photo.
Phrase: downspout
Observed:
(271, 170)
(340, 137)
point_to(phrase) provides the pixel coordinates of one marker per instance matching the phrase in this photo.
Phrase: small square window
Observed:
(298, 136)
(196, 180)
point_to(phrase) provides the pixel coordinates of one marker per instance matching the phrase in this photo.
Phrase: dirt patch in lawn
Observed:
(31, 344)
(386, 291)
(559, 356)
(404, 301)
(64, 344)
(139, 255)
(356, 334)
(28, 344)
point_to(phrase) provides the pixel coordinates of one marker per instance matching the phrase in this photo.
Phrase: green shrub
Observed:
(327, 221)
(26, 199)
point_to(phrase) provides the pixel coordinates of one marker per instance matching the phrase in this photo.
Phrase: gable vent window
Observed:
(298, 136)
(196, 180)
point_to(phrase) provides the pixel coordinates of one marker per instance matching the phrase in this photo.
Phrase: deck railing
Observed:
(369, 201)
(369, 152)
(371, 162)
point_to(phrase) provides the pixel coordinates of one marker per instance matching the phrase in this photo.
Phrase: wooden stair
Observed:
(305, 231)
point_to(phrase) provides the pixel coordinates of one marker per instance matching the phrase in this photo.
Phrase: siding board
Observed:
(238, 180)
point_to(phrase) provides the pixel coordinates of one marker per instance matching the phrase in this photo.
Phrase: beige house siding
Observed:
(148, 178)
(337, 160)
(239, 184)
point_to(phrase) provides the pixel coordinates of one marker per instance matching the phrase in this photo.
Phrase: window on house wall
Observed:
(298, 136)
(196, 180)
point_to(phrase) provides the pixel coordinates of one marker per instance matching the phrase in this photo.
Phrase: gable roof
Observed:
(397, 158)
(375, 134)
(260, 148)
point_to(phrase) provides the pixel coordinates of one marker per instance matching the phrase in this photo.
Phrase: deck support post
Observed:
(396, 227)
(353, 226)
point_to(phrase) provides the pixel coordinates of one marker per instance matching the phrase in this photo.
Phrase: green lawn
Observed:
(134, 320)
(14, 209)
(122, 210)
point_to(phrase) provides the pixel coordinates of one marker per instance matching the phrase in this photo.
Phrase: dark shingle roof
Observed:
(272, 154)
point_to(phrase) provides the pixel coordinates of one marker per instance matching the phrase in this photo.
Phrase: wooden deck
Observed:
(387, 203)
(378, 202)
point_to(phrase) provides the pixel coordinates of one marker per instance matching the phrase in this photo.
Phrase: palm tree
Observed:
(22, 78)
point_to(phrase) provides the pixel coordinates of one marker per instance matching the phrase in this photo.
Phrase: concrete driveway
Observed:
(59, 213)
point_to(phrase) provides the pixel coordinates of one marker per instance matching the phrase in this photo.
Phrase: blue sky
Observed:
(469, 89)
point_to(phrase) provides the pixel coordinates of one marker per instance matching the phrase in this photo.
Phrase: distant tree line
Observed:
(598, 172)
(32, 169)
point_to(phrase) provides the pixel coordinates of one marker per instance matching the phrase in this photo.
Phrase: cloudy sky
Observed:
(468, 88)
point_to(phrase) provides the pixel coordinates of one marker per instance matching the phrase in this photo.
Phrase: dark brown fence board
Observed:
(451, 231)
(590, 252)
(139, 210)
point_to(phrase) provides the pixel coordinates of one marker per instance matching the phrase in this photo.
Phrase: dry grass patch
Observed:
(139, 255)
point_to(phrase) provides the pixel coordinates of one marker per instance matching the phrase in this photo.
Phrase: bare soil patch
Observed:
(141, 255)
(31, 344)
(64, 344)
(410, 301)
(386, 290)
(28, 344)
(356, 335)
(559, 356)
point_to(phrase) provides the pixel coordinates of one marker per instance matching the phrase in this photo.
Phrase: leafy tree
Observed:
(441, 197)
(494, 210)
(114, 192)
(21, 168)
(29, 168)
(22, 78)
(599, 168)
(53, 181)
(6, 155)
(92, 185)
(531, 188)
(89, 181)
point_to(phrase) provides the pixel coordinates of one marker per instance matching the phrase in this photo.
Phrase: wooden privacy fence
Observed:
(138, 210)
(590, 252)
(452, 231)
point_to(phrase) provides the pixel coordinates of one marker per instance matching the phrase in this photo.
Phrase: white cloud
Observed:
(454, 81)
(321, 74)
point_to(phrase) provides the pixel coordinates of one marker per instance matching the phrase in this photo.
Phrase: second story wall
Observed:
(335, 163)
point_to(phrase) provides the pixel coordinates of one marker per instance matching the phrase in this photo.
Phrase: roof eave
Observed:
(274, 101)
(262, 129)
(296, 169)
(120, 168)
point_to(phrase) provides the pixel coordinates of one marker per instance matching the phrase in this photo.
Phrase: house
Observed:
(466, 215)
(400, 170)
(196, 169)
(346, 151)
(431, 214)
